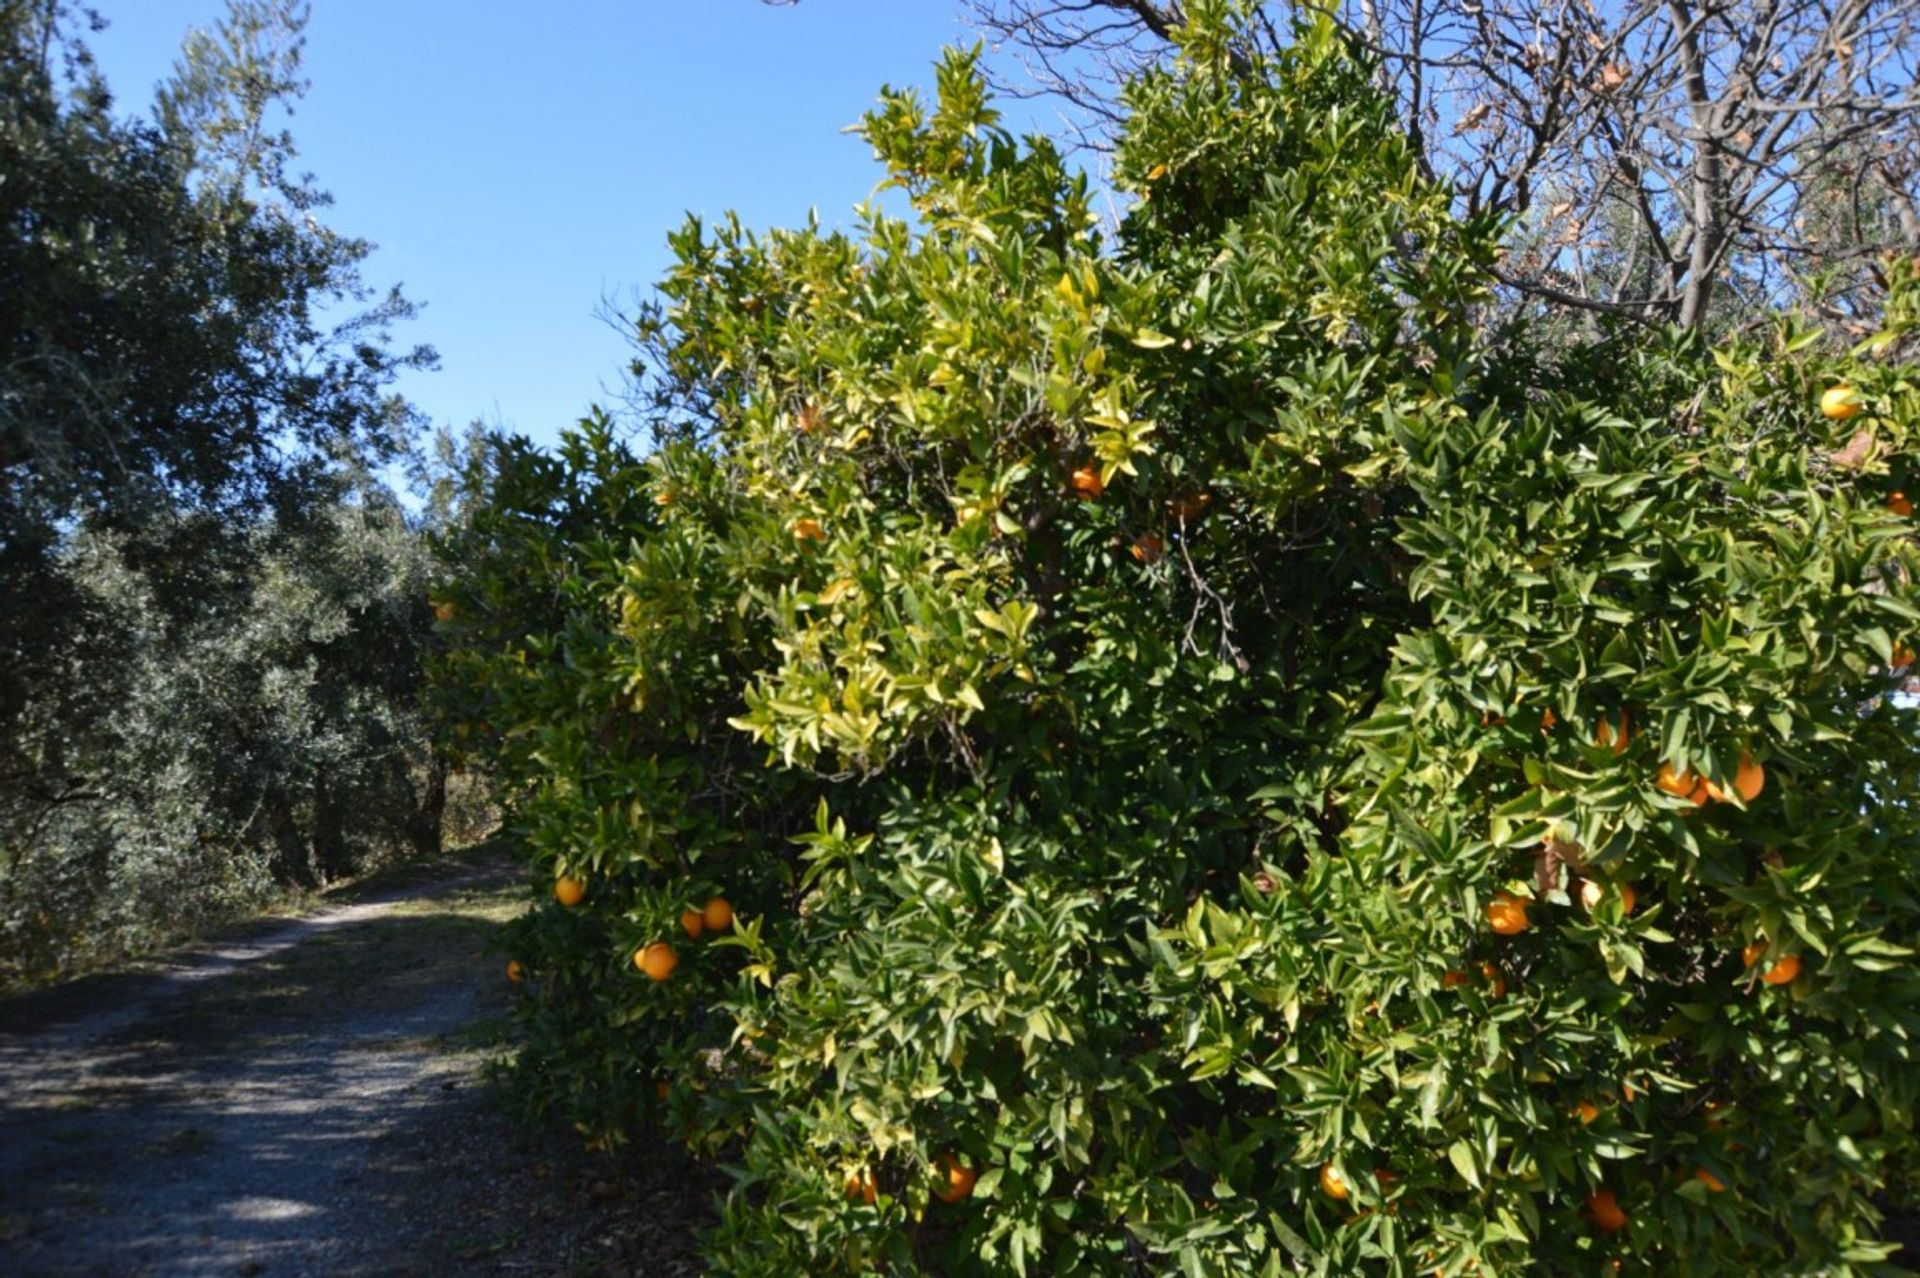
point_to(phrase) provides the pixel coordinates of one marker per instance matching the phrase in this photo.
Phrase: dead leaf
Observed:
(1554, 855)
(1473, 117)
(1855, 454)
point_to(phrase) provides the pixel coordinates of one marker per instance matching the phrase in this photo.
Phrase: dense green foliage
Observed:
(212, 617)
(1112, 679)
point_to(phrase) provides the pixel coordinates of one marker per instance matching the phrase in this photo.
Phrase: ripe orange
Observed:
(1679, 784)
(445, 611)
(692, 921)
(1784, 970)
(656, 959)
(1507, 914)
(809, 530)
(1190, 508)
(1548, 720)
(1708, 1179)
(663, 498)
(1604, 1210)
(1749, 779)
(954, 1179)
(1900, 505)
(1902, 656)
(1840, 403)
(1496, 983)
(1610, 736)
(1332, 1183)
(569, 891)
(515, 971)
(717, 914)
(1751, 954)
(1592, 892)
(861, 1187)
(1587, 1110)
(1453, 980)
(1148, 549)
(1086, 483)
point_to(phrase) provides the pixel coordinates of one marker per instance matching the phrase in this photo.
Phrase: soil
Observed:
(309, 1097)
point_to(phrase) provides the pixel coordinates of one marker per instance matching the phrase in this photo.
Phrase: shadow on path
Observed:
(303, 1102)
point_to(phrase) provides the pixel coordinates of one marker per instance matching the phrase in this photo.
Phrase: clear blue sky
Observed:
(517, 163)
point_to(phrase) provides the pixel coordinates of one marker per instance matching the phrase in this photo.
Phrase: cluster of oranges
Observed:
(1148, 548)
(953, 1182)
(1748, 780)
(658, 959)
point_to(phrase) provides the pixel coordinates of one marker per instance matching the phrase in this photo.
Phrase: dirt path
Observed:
(306, 1100)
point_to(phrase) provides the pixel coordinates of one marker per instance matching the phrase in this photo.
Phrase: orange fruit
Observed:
(1610, 736)
(1086, 483)
(569, 891)
(809, 530)
(692, 921)
(1749, 779)
(515, 972)
(445, 611)
(1507, 914)
(1902, 656)
(1593, 892)
(1190, 508)
(1627, 1090)
(1708, 1179)
(717, 914)
(1549, 719)
(1604, 1210)
(1680, 784)
(1454, 980)
(861, 1188)
(1587, 1110)
(1784, 970)
(1750, 954)
(955, 1179)
(1496, 983)
(1900, 505)
(663, 498)
(656, 959)
(663, 1089)
(1148, 549)
(1332, 1183)
(1840, 403)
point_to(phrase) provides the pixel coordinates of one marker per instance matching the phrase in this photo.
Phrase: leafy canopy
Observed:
(1110, 679)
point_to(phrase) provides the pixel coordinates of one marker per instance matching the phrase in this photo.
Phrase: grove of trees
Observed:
(1221, 743)
(213, 608)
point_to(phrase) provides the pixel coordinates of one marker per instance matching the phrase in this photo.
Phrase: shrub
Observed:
(1121, 684)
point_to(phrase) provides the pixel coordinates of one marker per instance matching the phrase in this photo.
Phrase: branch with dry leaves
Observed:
(1659, 159)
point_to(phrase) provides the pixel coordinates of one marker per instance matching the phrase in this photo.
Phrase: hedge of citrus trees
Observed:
(1172, 751)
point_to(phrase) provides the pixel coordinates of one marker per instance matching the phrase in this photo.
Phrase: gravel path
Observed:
(306, 1101)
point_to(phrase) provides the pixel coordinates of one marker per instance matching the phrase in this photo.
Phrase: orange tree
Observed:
(1213, 763)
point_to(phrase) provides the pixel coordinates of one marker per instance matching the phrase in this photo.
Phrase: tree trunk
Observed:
(426, 830)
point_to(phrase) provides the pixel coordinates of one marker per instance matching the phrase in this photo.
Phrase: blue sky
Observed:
(516, 166)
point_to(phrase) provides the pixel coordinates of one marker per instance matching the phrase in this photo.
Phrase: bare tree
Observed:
(1657, 156)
